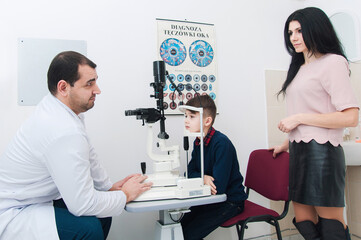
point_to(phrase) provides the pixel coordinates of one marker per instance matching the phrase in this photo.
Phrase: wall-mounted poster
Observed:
(188, 49)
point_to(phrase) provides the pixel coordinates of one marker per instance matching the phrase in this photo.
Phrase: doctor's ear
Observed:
(63, 87)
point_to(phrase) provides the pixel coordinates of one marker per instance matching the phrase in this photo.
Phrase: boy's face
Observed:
(191, 121)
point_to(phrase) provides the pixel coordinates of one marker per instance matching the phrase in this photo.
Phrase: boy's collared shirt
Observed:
(207, 138)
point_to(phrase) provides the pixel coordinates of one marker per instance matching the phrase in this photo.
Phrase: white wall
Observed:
(332, 6)
(121, 37)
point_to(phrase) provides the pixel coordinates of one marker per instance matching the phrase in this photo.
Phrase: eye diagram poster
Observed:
(188, 49)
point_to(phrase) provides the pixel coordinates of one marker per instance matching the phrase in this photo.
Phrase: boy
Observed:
(221, 173)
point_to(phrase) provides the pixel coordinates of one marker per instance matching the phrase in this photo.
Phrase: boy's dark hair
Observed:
(207, 103)
(65, 67)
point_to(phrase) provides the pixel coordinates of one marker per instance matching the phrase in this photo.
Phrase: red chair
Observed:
(267, 176)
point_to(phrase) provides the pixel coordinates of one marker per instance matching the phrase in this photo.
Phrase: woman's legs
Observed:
(305, 212)
(332, 224)
(306, 221)
(335, 213)
(320, 222)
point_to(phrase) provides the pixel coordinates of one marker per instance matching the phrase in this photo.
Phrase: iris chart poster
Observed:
(188, 50)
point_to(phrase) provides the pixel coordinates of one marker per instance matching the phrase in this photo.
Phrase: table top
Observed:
(157, 205)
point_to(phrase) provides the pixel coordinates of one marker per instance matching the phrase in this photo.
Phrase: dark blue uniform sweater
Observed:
(220, 162)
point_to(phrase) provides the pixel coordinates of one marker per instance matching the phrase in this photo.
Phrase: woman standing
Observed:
(320, 103)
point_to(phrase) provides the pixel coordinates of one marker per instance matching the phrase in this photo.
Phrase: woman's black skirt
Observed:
(317, 174)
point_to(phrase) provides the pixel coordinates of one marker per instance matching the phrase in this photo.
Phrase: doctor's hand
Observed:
(118, 185)
(135, 186)
(208, 180)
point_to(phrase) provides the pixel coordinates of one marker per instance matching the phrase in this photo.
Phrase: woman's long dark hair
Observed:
(318, 35)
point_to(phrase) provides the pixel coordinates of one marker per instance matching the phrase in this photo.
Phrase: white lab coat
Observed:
(50, 158)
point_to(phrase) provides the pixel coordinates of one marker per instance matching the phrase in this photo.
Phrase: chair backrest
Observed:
(267, 175)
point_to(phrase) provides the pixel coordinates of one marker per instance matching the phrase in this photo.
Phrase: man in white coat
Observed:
(51, 183)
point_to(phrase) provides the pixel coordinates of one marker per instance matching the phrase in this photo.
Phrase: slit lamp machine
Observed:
(167, 182)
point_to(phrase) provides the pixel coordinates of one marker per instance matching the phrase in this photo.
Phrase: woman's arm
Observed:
(345, 118)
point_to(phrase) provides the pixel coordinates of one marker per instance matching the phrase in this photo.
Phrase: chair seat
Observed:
(250, 210)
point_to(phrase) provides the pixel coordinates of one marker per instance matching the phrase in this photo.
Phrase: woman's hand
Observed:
(289, 123)
(279, 148)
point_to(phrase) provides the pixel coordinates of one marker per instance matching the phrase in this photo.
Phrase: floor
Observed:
(293, 237)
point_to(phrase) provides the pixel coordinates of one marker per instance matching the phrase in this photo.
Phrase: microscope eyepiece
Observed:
(159, 71)
(131, 112)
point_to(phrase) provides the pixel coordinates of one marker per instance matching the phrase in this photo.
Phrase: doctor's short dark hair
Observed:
(65, 67)
(207, 103)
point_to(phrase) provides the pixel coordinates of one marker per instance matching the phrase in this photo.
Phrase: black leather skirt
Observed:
(317, 174)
